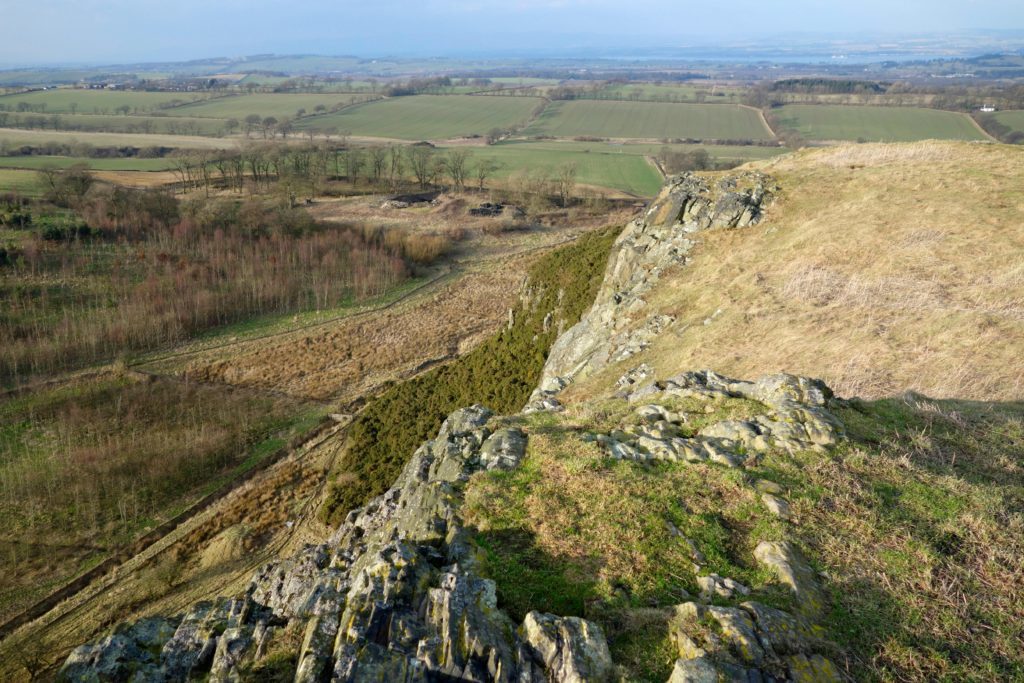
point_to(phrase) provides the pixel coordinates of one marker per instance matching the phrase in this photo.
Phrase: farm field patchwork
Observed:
(717, 152)
(425, 117)
(875, 124)
(672, 93)
(649, 120)
(73, 100)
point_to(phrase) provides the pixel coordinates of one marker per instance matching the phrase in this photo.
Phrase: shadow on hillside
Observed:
(530, 578)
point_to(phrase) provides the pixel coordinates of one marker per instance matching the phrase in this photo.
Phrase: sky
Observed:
(109, 31)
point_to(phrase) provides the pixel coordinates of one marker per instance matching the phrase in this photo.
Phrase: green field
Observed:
(875, 124)
(117, 123)
(23, 182)
(1014, 120)
(14, 136)
(630, 173)
(278, 105)
(649, 120)
(66, 100)
(126, 164)
(425, 117)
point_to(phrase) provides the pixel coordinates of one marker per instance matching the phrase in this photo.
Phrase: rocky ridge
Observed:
(396, 593)
(617, 326)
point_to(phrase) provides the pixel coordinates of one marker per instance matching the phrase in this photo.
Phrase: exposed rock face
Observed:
(392, 596)
(616, 327)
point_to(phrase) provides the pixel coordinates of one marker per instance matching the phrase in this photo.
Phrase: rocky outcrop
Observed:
(796, 418)
(395, 593)
(617, 325)
(392, 596)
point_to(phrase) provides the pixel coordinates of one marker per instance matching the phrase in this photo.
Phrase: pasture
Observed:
(875, 124)
(426, 117)
(649, 120)
(73, 100)
(278, 105)
(21, 182)
(1014, 120)
(630, 173)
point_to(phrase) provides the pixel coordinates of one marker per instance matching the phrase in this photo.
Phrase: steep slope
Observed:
(645, 520)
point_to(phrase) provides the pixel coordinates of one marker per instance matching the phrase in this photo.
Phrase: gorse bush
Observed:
(500, 373)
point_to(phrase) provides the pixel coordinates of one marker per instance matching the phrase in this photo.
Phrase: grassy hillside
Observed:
(876, 124)
(915, 526)
(1014, 120)
(904, 274)
(424, 117)
(649, 120)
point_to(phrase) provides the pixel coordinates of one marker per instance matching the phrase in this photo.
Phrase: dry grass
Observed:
(881, 268)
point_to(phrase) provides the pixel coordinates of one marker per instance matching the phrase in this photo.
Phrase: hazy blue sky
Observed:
(122, 30)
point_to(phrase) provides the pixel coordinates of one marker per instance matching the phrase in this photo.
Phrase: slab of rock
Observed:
(572, 650)
(793, 570)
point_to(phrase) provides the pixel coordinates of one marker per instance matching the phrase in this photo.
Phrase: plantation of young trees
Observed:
(128, 270)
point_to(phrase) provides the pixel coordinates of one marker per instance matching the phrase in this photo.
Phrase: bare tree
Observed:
(456, 166)
(565, 182)
(485, 168)
(423, 162)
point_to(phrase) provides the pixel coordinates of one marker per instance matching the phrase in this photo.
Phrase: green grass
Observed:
(126, 164)
(875, 124)
(649, 120)
(22, 182)
(64, 100)
(278, 105)
(1014, 120)
(427, 117)
(630, 173)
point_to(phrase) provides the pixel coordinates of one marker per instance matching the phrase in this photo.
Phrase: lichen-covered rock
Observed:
(570, 649)
(792, 569)
(753, 642)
